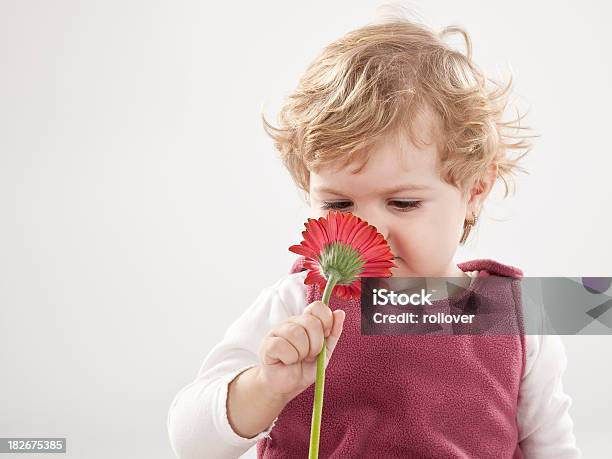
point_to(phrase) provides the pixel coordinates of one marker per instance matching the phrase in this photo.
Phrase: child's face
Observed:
(423, 227)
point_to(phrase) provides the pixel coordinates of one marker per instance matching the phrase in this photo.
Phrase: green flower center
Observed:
(342, 261)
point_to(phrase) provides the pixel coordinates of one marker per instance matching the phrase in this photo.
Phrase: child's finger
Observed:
(276, 349)
(314, 328)
(334, 336)
(323, 312)
(296, 335)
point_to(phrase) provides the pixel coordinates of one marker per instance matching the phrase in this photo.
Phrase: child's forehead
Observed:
(411, 144)
(395, 154)
(407, 153)
(387, 167)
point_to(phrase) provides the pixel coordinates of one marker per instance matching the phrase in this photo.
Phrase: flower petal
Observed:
(329, 241)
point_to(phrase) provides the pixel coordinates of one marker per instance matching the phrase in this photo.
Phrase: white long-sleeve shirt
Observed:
(197, 419)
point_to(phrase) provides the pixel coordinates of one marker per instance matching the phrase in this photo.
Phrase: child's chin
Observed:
(401, 270)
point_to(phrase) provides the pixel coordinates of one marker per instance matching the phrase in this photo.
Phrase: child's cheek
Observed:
(427, 244)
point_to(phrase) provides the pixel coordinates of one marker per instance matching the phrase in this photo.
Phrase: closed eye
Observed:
(337, 205)
(402, 206)
(406, 205)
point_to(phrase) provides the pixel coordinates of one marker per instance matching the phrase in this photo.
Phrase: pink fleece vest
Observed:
(413, 396)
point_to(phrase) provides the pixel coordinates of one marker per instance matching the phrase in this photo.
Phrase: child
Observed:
(393, 125)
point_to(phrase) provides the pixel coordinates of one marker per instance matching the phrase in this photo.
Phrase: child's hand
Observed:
(289, 352)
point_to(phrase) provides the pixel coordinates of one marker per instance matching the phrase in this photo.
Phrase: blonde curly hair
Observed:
(373, 81)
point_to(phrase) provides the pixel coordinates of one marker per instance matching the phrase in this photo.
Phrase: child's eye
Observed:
(405, 206)
(402, 206)
(338, 205)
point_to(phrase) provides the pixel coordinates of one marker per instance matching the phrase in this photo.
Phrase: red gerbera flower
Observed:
(339, 250)
(346, 247)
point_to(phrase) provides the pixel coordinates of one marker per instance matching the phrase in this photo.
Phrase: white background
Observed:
(143, 208)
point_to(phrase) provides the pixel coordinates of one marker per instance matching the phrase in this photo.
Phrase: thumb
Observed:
(336, 331)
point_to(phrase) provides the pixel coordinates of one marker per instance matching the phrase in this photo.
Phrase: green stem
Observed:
(317, 408)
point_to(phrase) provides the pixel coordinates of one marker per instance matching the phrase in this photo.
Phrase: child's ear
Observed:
(481, 189)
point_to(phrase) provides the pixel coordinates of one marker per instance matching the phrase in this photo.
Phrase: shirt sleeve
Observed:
(544, 423)
(197, 420)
